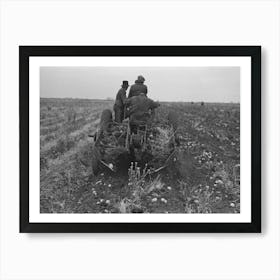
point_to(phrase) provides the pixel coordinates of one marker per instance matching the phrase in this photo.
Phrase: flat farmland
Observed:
(204, 178)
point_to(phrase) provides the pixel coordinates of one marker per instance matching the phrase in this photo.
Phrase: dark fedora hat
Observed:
(125, 83)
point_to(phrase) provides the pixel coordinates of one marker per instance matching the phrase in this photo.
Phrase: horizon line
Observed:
(112, 99)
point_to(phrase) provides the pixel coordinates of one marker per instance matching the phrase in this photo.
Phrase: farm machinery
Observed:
(152, 145)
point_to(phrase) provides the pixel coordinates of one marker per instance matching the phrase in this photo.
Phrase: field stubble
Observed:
(203, 179)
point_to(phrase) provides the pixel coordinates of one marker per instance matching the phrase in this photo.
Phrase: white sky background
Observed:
(209, 84)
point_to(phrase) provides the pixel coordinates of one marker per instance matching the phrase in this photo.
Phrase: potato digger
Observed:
(152, 144)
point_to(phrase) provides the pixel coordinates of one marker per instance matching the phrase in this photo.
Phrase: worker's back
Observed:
(140, 107)
(140, 104)
(120, 98)
(137, 88)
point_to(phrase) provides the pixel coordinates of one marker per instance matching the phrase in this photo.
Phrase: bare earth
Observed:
(204, 179)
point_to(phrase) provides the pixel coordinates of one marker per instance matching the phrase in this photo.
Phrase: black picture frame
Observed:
(25, 52)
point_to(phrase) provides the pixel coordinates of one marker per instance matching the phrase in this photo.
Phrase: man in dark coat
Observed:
(140, 109)
(138, 87)
(120, 102)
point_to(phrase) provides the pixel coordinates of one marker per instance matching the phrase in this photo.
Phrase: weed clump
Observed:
(140, 185)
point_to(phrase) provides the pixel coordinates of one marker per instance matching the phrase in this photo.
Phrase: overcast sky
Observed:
(209, 84)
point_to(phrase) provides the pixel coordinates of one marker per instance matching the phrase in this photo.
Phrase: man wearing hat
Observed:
(120, 102)
(138, 87)
(140, 110)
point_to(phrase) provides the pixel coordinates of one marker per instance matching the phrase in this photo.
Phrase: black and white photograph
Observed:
(129, 136)
(140, 140)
